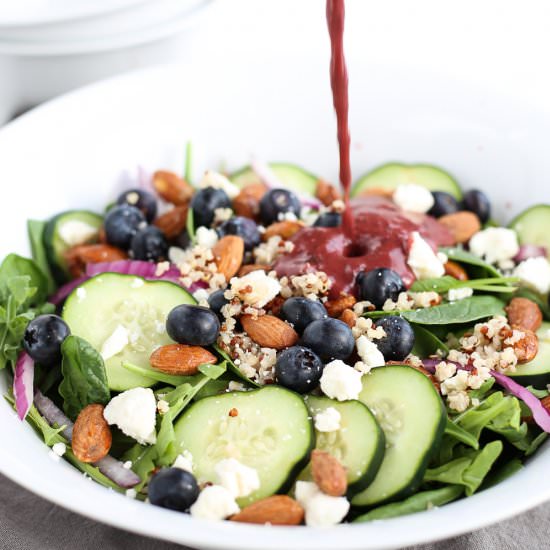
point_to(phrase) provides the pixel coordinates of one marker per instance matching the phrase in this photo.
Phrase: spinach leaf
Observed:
(35, 230)
(419, 502)
(446, 283)
(84, 376)
(503, 472)
(427, 343)
(478, 267)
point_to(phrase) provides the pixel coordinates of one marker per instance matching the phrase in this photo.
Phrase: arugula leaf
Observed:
(446, 283)
(84, 376)
(454, 431)
(171, 379)
(478, 267)
(35, 230)
(506, 470)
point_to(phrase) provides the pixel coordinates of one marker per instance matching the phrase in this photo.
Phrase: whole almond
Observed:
(269, 331)
(172, 188)
(328, 473)
(456, 270)
(463, 225)
(284, 229)
(545, 402)
(336, 307)
(78, 256)
(349, 317)
(228, 255)
(377, 192)
(92, 436)
(275, 510)
(524, 313)
(246, 269)
(180, 359)
(247, 202)
(172, 222)
(527, 348)
(327, 193)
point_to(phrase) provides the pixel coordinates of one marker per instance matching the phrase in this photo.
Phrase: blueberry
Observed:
(329, 339)
(173, 488)
(328, 219)
(121, 224)
(399, 339)
(193, 325)
(242, 227)
(278, 201)
(149, 244)
(217, 300)
(143, 200)
(302, 311)
(444, 203)
(43, 338)
(378, 285)
(205, 202)
(183, 240)
(477, 202)
(298, 369)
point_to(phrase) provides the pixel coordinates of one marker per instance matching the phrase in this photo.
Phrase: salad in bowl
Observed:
(224, 348)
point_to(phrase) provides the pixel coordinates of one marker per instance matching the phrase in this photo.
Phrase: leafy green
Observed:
(478, 267)
(35, 230)
(84, 376)
(463, 311)
(454, 431)
(190, 225)
(188, 171)
(541, 394)
(476, 419)
(446, 283)
(213, 371)
(536, 443)
(426, 342)
(232, 367)
(424, 500)
(171, 379)
(504, 471)
(14, 271)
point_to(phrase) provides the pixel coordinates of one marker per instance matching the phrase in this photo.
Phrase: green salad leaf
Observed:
(426, 343)
(35, 230)
(446, 283)
(84, 376)
(478, 268)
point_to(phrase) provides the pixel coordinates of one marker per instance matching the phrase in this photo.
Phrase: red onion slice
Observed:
(529, 251)
(50, 411)
(23, 380)
(140, 268)
(63, 291)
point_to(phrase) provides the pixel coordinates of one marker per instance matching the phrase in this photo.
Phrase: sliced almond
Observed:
(269, 331)
(336, 307)
(284, 229)
(524, 313)
(92, 436)
(246, 269)
(228, 255)
(180, 359)
(172, 222)
(327, 193)
(328, 473)
(462, 225)
(78, 256)
(349, 317)
(172, 188)
(456, 270)
(247, 202)
(275, 510)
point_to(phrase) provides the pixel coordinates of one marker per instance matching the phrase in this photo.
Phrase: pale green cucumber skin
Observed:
(55, 247)
(405, 461)
(210, 434)
(93, 319)
(532, 224)
(291, 175)
(536, 373)
(389, 176)
(356, 419)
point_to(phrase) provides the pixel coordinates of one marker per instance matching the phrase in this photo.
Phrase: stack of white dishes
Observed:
(48, 47)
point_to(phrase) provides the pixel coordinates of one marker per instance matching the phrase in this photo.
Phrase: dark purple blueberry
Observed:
(298, 369)
(173, 488)
(379, 285)
(204, 204)
(43, 338)
(121, 224)
(329, 339)
(242, 227)
(143, 200)
(329, 219)
(399, 339)
(193, 325)
(217, 300)
(149, 244)
(302, 311)
(278, 201)
(444, 203)
(476, 201)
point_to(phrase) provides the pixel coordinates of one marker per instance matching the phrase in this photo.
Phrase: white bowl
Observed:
(71, 153)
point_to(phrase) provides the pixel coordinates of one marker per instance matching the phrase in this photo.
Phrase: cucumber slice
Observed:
(96, 308)
(536, 373)
(532, 226)
(359, 443)
(272, 433)
(64, 231)
(413, 417)
(289, 175)
(389, 176)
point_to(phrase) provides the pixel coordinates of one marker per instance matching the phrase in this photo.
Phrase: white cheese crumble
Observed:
(115, 343)
(495, 244)
(423, 260)
(321, 510)
(134, 412)
(369, 353)
(74, 232)
(215, 502)
(255, 288)
(534, 273)
(127, 464)
(201, 295)
(131, 493)
(163, 406)
(206, 238)
(328, 420)
(340, 381)
(59, 449)
(413, 198)
(184, 461)
(235, 386)
(240, 480)
(456, 294)
(219, 181)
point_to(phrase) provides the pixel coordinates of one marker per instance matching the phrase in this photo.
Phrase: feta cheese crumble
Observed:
(328, 420)
(75, 232)
(240, 480)
(413, 198)
(534, 273)
(423, 261)
(215, 502)
(115, 343)
(59, 449)
(163, 406)
(369, 353)
(340, 381)
(255, 288)
(456, 294)
(321, 510)
(495, 244)
(205, 237)
(219, 181)
(134, 412)
(184, 461)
